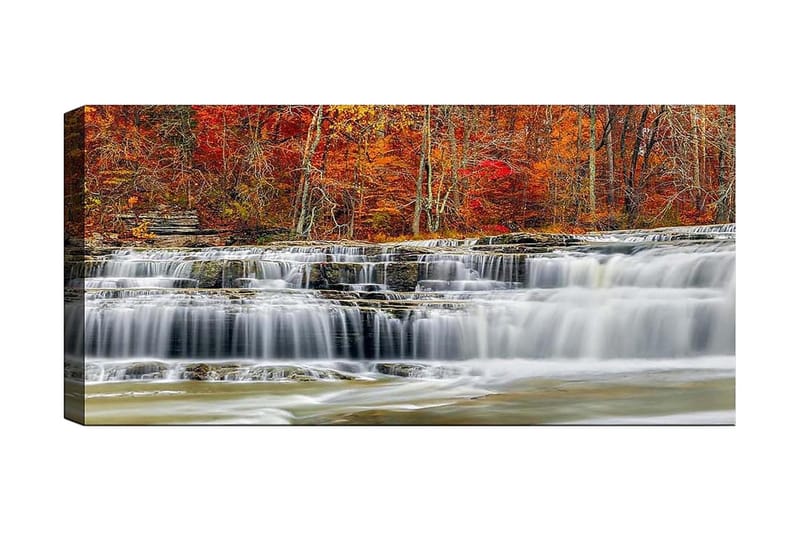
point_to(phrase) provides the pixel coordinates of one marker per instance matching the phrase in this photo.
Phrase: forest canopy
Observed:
(385, 171)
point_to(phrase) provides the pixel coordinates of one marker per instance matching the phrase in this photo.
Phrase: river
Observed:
(627, 327)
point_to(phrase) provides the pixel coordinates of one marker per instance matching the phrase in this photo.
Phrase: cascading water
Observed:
(660, 294)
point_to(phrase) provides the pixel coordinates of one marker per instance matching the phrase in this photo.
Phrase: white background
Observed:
(59, 476)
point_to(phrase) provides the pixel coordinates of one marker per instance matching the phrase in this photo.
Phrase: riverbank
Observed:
(278, 236)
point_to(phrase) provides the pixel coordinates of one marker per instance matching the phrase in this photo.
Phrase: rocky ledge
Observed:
(245, 372)
(415, 370)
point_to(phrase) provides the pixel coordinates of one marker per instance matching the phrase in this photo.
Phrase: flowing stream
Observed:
(631, 324)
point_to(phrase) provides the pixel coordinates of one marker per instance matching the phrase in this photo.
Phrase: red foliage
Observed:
(490, 169)
(495, 169)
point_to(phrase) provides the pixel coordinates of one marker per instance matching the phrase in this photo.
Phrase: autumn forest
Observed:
(386, 172)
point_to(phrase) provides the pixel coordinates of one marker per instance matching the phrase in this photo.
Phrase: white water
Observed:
(488, 392)
(718, 231)
(660, 299)
(486, 373)
(440, 243)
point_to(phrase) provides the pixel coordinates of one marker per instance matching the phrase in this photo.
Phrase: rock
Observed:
(370, 295)
(226, 372)
(332, 276)
(74, 269)
(335, 374)
(165, 222)
(401, 253)
(196, 372)
(690, 236)
(181, 241)
(232, 269)
(334, 273)
(338, 296)
(194, 243)
(235, 372)
(541, 239)
(208, 274)
(78, 371)
(415, 370)
(340, 287)
(258, 236)
(145, 370)
(216, 274)
(295, 373)
(125, 371)
(402, 277)
(300, 374)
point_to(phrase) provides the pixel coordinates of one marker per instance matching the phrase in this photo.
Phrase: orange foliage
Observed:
(140, 231)
(492, 169)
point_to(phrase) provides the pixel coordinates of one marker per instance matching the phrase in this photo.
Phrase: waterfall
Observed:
(440, 243)
(695, 266)
(716, 231)
(646, 294)
(473, 271)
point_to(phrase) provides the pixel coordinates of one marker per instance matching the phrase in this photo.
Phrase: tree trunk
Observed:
(454, 159)
(592, 169)
(576, 188)
(649, 147)
(610, 156)
(468, 116)
(423, 155)
(622, 138)
(631, 200)
(723, 211)
(696, 163)
(312, 140)
(429, 205)
(224, 150)
(703, 173)
(418, 195)
(644, 176)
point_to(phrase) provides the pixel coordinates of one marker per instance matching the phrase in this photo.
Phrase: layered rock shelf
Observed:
(242, 371)
(519, 295)
(166, 223)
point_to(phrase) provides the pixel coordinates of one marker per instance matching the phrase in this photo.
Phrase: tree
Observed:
(727, 151)
(305, 217)
(424, 169)
(631, 199)
(608, 140)
(366, 171)
(592, 170)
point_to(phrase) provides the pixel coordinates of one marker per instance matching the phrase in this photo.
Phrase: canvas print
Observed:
(400, 264)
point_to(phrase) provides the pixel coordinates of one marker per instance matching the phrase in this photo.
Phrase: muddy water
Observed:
(693, 394)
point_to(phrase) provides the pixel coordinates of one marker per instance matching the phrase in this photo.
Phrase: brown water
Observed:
(704, 396)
